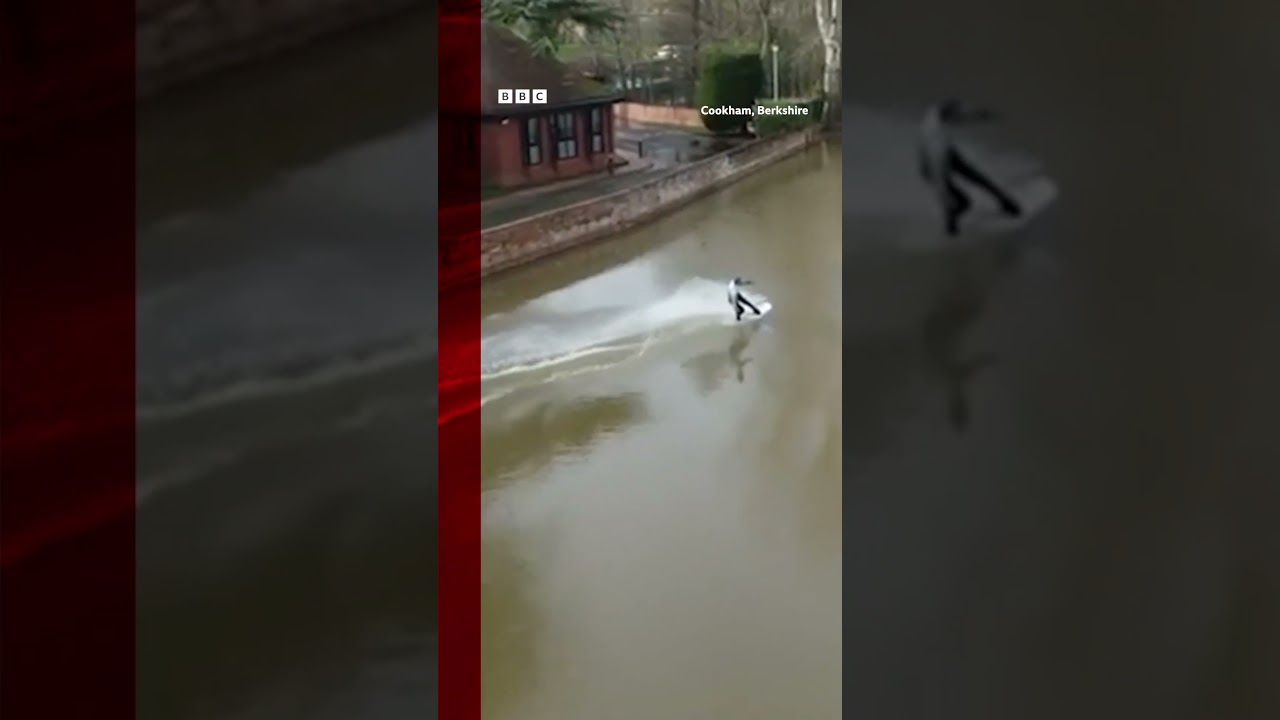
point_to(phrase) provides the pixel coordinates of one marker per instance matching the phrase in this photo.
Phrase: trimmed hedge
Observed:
(730, 78)
(769, 125)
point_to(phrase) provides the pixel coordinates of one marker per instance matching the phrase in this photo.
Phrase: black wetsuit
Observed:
(941, 163)
(737, 300)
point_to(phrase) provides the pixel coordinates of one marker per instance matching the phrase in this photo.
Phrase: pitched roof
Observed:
(508, 62)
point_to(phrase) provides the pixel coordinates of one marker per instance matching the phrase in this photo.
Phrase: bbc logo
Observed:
(522, 97)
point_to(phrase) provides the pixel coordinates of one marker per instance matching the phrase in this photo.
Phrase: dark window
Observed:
(532, 141)
(566, 136)
(597, 129)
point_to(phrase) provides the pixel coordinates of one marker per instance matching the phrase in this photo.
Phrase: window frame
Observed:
(595, 129)
(531, 142)
(566, 137)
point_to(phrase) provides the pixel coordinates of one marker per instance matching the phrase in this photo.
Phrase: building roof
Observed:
(508, 63)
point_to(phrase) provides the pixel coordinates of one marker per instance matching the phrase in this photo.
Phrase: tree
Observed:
(695, 26)
(657, 40)
(765, 10)
(828, 15)
(545, 24)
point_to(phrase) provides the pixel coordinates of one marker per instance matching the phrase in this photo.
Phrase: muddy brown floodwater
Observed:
(662, 487)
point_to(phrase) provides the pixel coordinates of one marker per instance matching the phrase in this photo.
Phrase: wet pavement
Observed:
(531, 202)
(670, 144)
(653, 149)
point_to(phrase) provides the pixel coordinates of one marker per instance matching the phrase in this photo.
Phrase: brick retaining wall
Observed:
(529, 239)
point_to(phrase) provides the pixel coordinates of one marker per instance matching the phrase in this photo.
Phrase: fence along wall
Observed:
(626, 113)
(523, 241)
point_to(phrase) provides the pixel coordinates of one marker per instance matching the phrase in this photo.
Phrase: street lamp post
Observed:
(774, 48)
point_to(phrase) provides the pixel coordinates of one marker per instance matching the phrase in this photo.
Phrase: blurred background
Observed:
(285, 333)
(1096, 539)
(284, 198)
(286, 371)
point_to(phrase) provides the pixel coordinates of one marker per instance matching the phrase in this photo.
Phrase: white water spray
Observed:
(564, 336)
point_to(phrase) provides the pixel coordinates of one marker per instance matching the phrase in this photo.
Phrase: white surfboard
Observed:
(1035, 195)
(747, 316)
(923, 232)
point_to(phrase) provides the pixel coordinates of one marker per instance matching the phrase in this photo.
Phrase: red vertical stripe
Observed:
(459, 381)
(67, 372)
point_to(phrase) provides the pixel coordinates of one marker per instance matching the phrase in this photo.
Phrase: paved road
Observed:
(510, 209)
(663, 148)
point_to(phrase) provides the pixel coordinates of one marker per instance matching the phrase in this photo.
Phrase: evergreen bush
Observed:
(730, 78)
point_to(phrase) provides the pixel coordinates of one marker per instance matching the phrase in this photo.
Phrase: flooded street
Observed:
(662, 486)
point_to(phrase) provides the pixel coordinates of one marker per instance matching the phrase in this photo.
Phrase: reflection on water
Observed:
(710, 369)
(946, 327)
(662, 533)
(736, 353)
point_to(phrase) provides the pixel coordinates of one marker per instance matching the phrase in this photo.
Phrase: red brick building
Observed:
(570, 135)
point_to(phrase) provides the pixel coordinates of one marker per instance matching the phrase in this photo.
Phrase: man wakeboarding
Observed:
(941, 162)
(738, 300)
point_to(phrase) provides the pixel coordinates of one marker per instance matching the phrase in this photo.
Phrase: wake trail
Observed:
(554, 345)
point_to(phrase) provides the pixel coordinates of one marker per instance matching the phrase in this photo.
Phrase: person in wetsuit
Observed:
(738, 300)
(941, 162)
